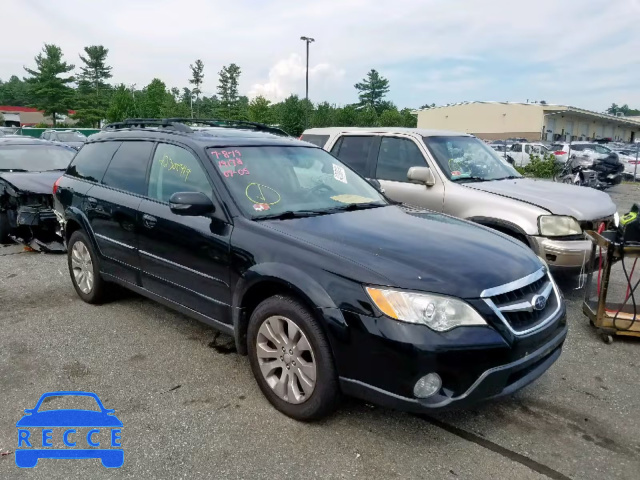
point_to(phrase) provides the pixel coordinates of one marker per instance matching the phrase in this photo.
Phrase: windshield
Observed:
(71, 137)
(466, 159)
(267, 181)
(34, 158)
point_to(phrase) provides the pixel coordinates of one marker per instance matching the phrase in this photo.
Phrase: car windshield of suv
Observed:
(71, 137)
(467, 159)
(269, 181)
(34, 158)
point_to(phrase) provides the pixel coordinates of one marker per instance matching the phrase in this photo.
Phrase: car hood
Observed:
(558, 198)
(32, 182)
(416, 249)
(69, 418)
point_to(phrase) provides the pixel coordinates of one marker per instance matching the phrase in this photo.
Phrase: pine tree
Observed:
(228, 91)
(93, 91)
(51, 92)
(197, 76)
(372, 90)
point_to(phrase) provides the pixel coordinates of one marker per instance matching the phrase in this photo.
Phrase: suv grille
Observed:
(594, 224)
(528, 307)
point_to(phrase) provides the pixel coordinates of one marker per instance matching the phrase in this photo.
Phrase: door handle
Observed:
(149, 221)
(92, 202)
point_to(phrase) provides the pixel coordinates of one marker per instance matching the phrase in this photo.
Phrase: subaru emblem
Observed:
(538, 302)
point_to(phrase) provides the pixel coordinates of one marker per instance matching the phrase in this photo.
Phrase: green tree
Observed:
(50, 91)
(197, 77)
(624, 109)
(122, 105)
(391, 118)
(14, 92)
(228, 91)
(409, 119)
(259, 110)
(367, 117)
(154, 99)
(292, 113)
(92, 99)
(372, 90)
(347, 116)
(426, 106)
(324, 115)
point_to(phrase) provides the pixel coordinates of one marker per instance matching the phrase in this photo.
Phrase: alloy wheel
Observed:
(286, 359)
(82, 267)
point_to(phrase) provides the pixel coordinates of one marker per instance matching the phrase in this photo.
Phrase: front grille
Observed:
(516, 307)
(594, 224)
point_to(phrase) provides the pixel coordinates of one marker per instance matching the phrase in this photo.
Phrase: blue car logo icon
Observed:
(74, 426)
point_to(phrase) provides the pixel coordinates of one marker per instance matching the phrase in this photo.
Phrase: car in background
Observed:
(459, 175)
(72, 138)
(519, 154)
(328, 287)
(28, 169)
(595, 151)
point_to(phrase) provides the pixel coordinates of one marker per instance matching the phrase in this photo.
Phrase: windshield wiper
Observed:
(349, 207)
(289, 214)
(13, 170)
(469, 179)
(510, 177)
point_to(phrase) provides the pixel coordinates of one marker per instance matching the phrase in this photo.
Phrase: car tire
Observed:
(280, 330)
(84, 269)
(4, 227)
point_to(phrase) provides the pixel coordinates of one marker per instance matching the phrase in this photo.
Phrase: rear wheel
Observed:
(291, 359)
(83, 267)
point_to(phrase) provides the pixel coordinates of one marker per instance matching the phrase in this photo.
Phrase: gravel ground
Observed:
(191, 408)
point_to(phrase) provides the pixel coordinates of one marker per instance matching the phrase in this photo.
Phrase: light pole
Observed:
(308, 40)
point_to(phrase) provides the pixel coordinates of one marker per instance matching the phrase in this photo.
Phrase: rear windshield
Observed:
(34, 158)
(71, 137)
(317, 140)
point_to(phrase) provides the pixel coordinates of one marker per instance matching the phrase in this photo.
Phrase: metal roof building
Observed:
(533, 121)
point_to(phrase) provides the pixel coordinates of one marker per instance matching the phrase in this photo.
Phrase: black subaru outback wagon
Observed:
(325, 284)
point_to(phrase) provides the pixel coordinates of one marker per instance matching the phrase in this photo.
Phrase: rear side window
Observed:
(92, 160)
(354, 151)
(175, 169)
(396, 157)
(128, 168)
(317, 140)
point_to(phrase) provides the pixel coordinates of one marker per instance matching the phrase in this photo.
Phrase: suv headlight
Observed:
(558, 226)
(438, 312)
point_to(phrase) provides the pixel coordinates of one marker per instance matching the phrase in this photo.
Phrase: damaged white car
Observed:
(28, 169)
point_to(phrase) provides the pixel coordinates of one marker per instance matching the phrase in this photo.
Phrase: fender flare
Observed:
(491, 222)
(78, 216)
(290, 277)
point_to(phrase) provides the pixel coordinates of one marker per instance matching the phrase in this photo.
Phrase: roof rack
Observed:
(182, 124)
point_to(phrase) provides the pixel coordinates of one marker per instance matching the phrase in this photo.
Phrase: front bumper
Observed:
(386, 358)
(562, 254)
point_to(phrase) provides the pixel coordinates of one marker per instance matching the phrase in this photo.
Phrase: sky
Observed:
(574, 52)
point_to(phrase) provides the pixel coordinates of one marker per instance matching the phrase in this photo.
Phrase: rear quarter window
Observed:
(92, 160)
(317, 140)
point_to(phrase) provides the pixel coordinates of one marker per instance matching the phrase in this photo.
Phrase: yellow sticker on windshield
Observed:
(347, 198)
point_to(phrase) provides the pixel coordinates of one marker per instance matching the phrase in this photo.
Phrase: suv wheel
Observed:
(291, 359)
(83, 267)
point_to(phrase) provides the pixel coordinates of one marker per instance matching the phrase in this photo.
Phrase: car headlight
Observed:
(438, 312)
(616, 219)
(558, 226)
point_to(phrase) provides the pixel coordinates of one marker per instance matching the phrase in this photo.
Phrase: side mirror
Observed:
(421, 175)
(375, 184)
(191, 204)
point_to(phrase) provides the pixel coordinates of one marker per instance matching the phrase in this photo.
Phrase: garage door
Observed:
(608, 131)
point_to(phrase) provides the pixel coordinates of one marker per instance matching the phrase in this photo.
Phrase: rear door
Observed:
(358, 151)
(184, 258)
(395, 157)
(112, 207)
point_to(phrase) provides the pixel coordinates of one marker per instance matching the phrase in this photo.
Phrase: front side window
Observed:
(128, 168)
(271, 180)
(527, 149)
(467, 159)
(396, 157)
(34, 158)
(354, 151)
(175, 169)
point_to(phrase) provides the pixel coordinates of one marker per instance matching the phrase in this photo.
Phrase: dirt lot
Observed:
(191, 408)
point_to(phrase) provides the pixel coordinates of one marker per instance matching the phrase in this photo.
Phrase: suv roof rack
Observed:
(182, 124)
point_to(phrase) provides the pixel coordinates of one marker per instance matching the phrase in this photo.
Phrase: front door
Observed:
(183, 258)
(395, 157)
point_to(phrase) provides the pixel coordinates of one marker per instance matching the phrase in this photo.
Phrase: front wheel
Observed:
(291, 359)
(83, 267)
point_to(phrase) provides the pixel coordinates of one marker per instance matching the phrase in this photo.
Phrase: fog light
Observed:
(428, 385)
